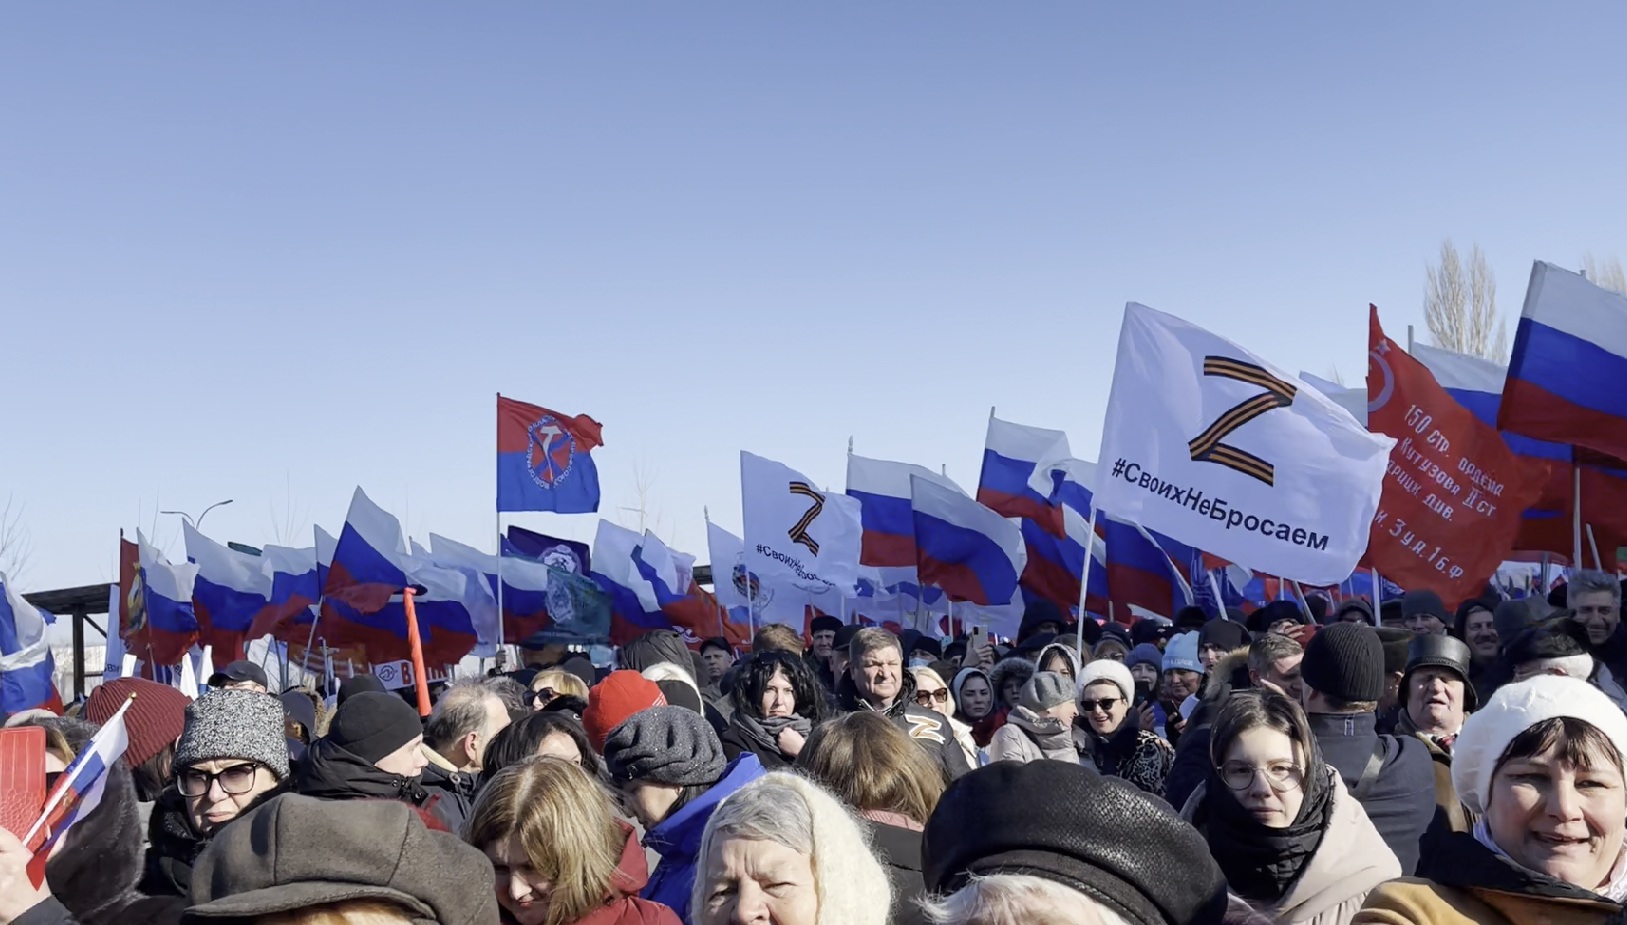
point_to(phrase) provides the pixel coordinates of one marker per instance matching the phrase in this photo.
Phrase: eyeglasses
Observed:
(1105, 706)
(237, 779)
(925, 698)
(1281, 777)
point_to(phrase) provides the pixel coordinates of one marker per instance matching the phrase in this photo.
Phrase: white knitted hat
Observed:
(1106, 669)
(1515, 708)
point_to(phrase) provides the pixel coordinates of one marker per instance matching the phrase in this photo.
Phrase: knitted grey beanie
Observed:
(665, 745)
(234, 724)
(1045, 690)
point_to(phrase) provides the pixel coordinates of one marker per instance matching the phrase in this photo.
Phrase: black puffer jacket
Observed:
(93, 876)
(929, 728)
(330, 772)
(173, 845)
(451, 790)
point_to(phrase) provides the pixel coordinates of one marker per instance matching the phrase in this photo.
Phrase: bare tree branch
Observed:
(1460, 305)
(16, 543)
(1606, 275)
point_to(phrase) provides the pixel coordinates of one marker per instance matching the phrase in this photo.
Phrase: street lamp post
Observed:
(198, 521)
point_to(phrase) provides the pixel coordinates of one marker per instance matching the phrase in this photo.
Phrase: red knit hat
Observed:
(155, 719)
(618, 696)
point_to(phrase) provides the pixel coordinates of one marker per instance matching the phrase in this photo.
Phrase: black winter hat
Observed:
(1345, 661)
(1119, 633)
(825, 623)
(1037, 612)
(1097, 835)
(928, 645)
(1397, 644)
(371, 725)
(1223, 633)
(667, 745)
(1360, 605)
(1260, 620)
(844, 636)
(1422, 603)
(1153, 631)
(1190, 618)
(1447, 652)
(357, 684)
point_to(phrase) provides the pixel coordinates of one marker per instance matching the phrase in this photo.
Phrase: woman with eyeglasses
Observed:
(777, 702)
(1107, 734)
(932, 693)
(231, 757)
(1279, 822)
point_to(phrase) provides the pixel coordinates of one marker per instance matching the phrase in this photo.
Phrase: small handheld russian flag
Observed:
(79, 791)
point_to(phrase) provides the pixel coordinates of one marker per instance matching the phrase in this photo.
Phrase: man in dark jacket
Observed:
(876, 680)
(373, 750)
(1393, 779)
(1271, 661)
(467, 717)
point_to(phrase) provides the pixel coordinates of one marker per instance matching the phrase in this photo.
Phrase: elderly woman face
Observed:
(757, 880)
(1561, 811)
(218, 790)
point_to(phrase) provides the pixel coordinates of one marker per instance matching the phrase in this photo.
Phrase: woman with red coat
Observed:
(561, 855)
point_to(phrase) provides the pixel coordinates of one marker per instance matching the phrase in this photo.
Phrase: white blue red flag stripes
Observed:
(26, 664)
(231, 592)
(882, 488)
(1568, 363)
(544, 459)
(963, 547)
(79, 790)
(1010, 454)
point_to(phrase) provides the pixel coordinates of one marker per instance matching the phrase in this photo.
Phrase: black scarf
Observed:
(1261, 863)
(766, 731)
(1112, 752)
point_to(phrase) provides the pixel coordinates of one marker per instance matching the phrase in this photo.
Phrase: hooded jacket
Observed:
(1029, 736)
(929, 728)
(1349, 862)
(1004, 670)
(1401, 800)
(1190, 766)
(1480, 887)
(678, 837)
(624, 907)
(173, 845)
(452, 792)
(93, 877)
(1067, 652)
(332, 772)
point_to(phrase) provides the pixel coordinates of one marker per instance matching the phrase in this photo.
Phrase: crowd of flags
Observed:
(904, 545)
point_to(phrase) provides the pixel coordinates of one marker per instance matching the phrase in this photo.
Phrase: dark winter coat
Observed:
(736, 742)
(899, 851)
(930, 729)
(451, 792)
(331, 772)
(93, 876)
(173, 845)
(1190, 766)
(677, 838)
(1136, 755)
(1401, 800)
(1450, 813)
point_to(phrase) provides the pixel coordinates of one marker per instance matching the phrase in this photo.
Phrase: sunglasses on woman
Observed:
(925, 698)
(237, 779)
(1103, 706)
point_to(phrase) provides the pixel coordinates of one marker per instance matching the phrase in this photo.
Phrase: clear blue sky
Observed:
(273, 251)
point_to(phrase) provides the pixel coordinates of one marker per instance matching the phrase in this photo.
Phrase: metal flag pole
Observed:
(497, 491)
(1084, 577)
(1597, 562)
(1576, 517)
(1220, 599)
(1378, 597)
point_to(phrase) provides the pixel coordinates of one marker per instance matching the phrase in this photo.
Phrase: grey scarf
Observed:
(766, 731)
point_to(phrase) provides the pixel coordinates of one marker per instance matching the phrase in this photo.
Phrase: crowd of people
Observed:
(1304, 763)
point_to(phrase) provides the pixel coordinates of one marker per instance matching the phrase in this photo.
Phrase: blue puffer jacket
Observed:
(678, 838)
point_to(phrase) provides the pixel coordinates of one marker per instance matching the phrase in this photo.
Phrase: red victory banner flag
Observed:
(1453, 493)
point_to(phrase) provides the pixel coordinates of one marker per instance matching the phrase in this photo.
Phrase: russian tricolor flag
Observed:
(1569, 361)
(1010, 454)
(1140, 573)
(882, 488)
(370, 568)
(971, 552)
(634, 609)
(231, 592)
(296, 577)
(690, 610)
(26, 664)
(79, 790)
(170, 624)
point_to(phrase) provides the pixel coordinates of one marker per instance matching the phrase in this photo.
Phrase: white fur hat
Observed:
(1515, 708)
(1106, 669)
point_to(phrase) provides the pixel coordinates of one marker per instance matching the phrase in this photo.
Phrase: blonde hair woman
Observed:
(560, 854)
(553, 683)
(932, 692)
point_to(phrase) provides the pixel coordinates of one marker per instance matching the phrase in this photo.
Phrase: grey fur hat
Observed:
(1008, 668)
(1045, 690)
(666, 745)
(234, 724)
